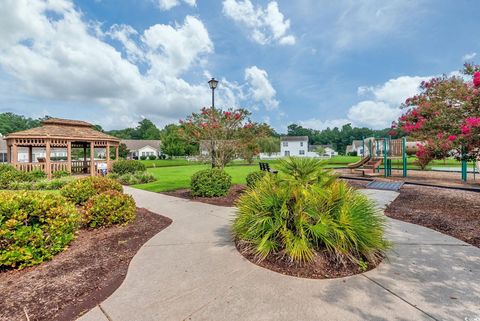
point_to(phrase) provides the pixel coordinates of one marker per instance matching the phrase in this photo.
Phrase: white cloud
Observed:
(169, 4)
(267, 25)
(380, 105)
(315, 123)
(394, 91)
(65, 59)
(261, 89)
(469, 56)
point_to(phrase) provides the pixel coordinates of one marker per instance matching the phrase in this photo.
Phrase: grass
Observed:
(173, 174)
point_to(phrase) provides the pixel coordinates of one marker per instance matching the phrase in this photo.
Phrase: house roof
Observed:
(136, 144)
(312, 148)
(294, 138)
(64, 129)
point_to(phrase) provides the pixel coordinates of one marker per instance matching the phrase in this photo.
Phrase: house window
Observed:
(287, 153)
(301, 152)
(3, 157)
(301, 144)
(285, 144)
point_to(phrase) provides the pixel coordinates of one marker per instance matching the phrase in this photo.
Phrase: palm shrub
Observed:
(253, 177)
(305, 210)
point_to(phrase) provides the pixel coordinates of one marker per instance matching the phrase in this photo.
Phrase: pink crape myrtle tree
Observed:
(445, 116)
(223, 134)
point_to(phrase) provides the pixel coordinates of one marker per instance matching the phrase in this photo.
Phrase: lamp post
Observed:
(213, 84)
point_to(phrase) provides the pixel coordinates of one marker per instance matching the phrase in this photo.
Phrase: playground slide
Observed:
(360, 163)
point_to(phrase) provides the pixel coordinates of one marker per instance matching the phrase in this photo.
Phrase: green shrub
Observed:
(36, 175)
(210, 183)
(33, 227)
(108, 208)
(152, 157)
(60, 174)
(6, 168)
(143, 157)
(254, 177)
(9, 177)
(128, 166)
(132, 179)
(304, 210)
(80, 190)
(144, 177)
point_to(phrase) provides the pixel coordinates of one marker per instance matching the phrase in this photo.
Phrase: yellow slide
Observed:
(360, 163)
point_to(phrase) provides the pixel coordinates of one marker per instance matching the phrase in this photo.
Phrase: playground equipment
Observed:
(382, 151)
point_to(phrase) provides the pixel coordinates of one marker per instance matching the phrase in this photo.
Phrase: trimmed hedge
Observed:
(128, 166)
(80, 190)
(108, 208)
(132, 179)
(210, 183)
(33, 227)
(254, 177)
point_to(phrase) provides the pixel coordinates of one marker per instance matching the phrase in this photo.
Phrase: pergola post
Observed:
(107, 154)
(30, 154)
(92, 159)
(69, 157)
(116, 153)
(84, 167)
(9, 154)
(48, 166)
(14, 155)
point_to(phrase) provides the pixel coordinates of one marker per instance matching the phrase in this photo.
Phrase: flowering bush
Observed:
(33, 227)
(445, 116)
(224, 134)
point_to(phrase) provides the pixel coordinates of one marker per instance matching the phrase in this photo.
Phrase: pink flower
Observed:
(465, 129)
(473, 122)
(237, 116)
(476, 79)
(452, 138)
(475, 92)
(440, 135)
(227, 114)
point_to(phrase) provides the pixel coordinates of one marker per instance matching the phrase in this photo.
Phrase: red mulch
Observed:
(80, 277)
(453, 212)
(323, 265)
(228, 200)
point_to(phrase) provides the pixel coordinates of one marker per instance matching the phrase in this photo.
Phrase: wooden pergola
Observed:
(61, 133)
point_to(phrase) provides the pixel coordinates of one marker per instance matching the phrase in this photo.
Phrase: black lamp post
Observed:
(213, 84)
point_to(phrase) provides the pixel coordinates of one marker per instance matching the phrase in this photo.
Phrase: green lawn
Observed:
(175, 174)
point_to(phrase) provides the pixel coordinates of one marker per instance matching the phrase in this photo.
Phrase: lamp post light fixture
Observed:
(213, 83)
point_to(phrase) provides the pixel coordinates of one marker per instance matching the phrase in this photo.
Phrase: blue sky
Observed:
(316, 63)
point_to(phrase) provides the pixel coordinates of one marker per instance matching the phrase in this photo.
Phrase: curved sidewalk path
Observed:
(192, 271)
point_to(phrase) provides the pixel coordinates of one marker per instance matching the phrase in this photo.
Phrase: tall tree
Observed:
(10, 123)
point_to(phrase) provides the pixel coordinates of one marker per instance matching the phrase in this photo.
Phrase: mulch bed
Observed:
(228, 200)
(322, 267)
(453, 212)
(77, 279)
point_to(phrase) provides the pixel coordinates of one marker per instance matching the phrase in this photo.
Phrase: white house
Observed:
(294, 146)
(138, 148)
(56, 153)
(3, 150)
(328, 150)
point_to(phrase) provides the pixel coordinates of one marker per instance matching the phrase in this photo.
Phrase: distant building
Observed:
(37, 152)
(294, 146)
(3, 150)
(138, 148)
(355, 147)
(328, 150)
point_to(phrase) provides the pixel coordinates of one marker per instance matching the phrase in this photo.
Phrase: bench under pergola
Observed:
(55, 133)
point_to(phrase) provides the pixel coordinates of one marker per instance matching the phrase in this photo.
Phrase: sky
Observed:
(317, 63)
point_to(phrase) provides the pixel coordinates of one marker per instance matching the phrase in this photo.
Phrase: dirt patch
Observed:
(453, 212)
(228, 200)
(79, 278)
(323, 265)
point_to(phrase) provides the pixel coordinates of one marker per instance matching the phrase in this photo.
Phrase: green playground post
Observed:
(404, 156)
(363, 146)
(464, 166)
(385, 169)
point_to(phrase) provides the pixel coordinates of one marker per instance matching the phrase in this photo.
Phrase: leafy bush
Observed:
(108, 208)
(304, 210)
(33, 227)
(9, 177)
(143, 157)
(6, 168)
(128, 166)
(36, 175)
(253, 177)
(60, 174)
(80, 190)
(152, 157)
(210, 183)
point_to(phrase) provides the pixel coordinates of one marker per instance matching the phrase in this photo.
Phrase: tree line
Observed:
(175, 144)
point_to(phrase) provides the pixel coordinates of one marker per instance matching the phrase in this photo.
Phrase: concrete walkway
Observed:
(192, 271)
